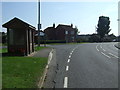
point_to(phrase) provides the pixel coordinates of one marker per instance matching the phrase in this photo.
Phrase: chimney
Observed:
(71, 25)
(53, 25)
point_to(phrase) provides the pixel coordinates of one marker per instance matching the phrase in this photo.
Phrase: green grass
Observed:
(1, 44)
(3, 50)
(65, 43)
(37, 48)
(22, 72)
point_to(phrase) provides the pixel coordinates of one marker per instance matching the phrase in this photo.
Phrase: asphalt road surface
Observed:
(90, 65)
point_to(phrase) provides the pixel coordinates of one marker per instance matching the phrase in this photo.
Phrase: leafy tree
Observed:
(94, 38)
(103, 27)
(77, 30)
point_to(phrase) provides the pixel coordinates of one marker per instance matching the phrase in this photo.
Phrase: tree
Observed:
(103, 27)
(94, 38)
(77, 30)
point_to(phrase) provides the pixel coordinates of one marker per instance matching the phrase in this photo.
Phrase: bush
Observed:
(52, 41)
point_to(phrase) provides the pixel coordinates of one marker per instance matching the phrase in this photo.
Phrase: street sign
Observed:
(39, 26)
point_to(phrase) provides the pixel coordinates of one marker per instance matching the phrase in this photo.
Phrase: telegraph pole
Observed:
(39, 25)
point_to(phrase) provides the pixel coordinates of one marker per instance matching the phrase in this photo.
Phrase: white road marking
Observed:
(100, 46)
(50, 56)
(97, 48)
(71, 53)
(68, 60)
(67, 68)
(65, 82)
(113, 55)
(104, 50)
(115, 47)
(69, 56)
(105, 55)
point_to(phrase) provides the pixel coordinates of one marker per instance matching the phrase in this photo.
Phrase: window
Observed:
(66, 32)
(72, 32)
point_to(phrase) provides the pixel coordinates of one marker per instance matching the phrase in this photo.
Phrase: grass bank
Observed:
(37, 48)
(66, 43)
(22, 72)
(3, 50)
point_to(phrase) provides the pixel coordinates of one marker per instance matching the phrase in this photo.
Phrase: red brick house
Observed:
(61, 32)
(50, 33)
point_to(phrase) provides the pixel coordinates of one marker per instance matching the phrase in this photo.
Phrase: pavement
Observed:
(51, 73)
(47, 79)
(42, 53)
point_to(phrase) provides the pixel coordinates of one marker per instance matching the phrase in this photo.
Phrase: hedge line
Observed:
(52, 41)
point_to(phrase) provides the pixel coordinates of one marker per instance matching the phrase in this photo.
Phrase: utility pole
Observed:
(39, 25)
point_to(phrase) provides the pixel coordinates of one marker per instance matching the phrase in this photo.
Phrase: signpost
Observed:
(119, 18)
(39, 25)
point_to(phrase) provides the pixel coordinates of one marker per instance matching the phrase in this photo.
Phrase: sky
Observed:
(84, 15)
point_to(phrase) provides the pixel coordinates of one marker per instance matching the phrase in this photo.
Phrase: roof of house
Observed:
(17, 23)
(49, 28)
(66, 27)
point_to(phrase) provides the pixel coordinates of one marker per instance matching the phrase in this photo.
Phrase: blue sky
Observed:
(84, 15)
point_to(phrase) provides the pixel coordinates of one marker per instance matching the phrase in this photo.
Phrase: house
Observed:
(50, 33)
(61, 32)
(20, 37)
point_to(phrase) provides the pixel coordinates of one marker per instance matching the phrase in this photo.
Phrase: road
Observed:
(90, 65)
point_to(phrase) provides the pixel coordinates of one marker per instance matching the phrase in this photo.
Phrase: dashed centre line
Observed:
(100, 46)
(69, 56)
(65, 82)
(68, 60)
(104, 50)
(71, 53)
(67, 68)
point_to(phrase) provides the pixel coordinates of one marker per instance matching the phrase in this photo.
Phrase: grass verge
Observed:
(22, 72)
(65, 43)
(3, 50)
(1, 44)
(37, 48)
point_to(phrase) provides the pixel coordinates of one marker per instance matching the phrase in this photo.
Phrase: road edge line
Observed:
(42, 79)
